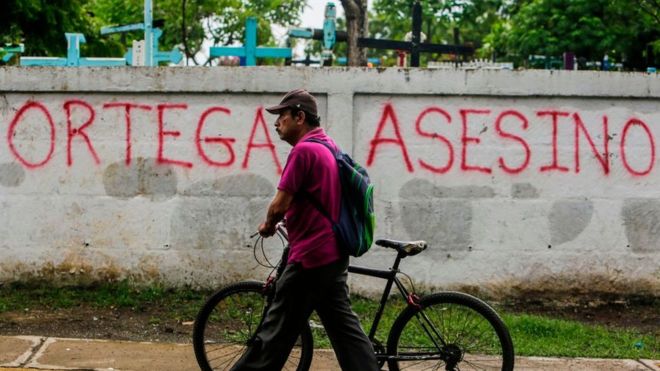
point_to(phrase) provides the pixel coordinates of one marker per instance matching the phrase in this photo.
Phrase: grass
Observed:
(542, 336)
(178, 304)
(533, 335)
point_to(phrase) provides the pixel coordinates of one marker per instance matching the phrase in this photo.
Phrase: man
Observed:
(316, 271)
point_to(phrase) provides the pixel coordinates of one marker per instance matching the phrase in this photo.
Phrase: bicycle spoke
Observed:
(228, 357)
(225, 355)
(233, 360)
(411, 364)
(230, 322)
(216, 349)
(455, 332)
(494, 365)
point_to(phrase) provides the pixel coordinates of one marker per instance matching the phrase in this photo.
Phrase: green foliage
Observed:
(551, 27)
(508, 30)
(588, 28)
(221, 21)
(41, 25)
(514, 29)
(392, 19)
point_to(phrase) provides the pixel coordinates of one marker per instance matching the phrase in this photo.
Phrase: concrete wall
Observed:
(520, 181)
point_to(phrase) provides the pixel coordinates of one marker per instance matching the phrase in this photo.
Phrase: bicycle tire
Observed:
(466, 334)
(228, 320)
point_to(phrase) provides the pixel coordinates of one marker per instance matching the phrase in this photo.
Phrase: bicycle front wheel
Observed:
(450, 331)
(228, 321)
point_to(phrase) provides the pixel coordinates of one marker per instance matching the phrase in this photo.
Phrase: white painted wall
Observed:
(462, 159)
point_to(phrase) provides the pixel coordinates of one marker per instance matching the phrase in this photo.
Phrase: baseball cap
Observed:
(299, 98)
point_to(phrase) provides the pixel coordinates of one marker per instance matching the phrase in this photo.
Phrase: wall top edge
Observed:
(333, 80)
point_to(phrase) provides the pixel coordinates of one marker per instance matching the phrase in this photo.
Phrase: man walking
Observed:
(316, 271)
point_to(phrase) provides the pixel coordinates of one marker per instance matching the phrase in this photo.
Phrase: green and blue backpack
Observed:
(357, 221)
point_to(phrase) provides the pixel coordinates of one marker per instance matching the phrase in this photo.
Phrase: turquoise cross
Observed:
(328, 34)
(72, 56)
(158, 56)
(152, 55)
(8, 51)
(250, 50)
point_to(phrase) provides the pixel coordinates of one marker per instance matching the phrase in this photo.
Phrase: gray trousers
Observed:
(297, 293)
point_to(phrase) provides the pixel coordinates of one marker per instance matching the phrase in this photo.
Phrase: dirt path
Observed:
(156, 324)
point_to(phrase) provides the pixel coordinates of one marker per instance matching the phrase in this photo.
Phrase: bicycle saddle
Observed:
(407, 248)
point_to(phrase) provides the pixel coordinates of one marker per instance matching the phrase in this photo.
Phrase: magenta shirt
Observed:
(311, 169)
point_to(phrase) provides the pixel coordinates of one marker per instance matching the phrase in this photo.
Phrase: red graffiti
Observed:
(637, 122)
(80, 131)
(227, 142)
(515, 138)
(580, 132)
(522, 137)
(388, 112)
(604, 159)
(12, 129)
(555, 162)
(127, 115)
(465, 140)
(161, 159)
(260, 121)
(450, 148)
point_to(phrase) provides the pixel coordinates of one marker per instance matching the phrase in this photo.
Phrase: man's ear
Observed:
(301, 115)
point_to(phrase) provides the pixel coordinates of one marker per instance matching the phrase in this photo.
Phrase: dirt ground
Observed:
(635, 314)
(149, 324)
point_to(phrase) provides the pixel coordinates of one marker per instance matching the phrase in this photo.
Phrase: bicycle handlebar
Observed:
(279, 228)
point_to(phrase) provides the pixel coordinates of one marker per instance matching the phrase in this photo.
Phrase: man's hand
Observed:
(276, 211)
(266, 230)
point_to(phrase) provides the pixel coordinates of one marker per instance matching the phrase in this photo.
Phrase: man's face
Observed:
(288, 127)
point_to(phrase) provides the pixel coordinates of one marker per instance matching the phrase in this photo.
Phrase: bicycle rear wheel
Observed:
(450, 331)
(229, 319)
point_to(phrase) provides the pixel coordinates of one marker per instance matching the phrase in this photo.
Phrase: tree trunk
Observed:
(357, 26)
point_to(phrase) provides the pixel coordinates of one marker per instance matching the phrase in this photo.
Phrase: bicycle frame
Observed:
(392, 279)
(389, 275)
(428, 338)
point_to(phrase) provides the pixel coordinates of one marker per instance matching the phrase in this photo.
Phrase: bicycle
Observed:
(453, 330)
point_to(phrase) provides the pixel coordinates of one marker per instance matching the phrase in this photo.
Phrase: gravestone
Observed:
(330, 36)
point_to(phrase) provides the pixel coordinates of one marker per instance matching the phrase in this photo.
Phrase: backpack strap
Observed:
(317, 205)
(325, 144)
(309, 196)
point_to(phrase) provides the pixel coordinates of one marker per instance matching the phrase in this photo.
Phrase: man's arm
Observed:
(278, 207)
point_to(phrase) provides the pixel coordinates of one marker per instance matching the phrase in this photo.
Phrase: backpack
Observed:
(357, 221)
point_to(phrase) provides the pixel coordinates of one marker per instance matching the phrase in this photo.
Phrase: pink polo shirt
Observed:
(311, 169)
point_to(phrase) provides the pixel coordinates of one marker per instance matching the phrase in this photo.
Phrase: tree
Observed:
(221, 21)
(357, 26)
(588, 28)
(651, 10)
(41, 25)
(392, 19)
